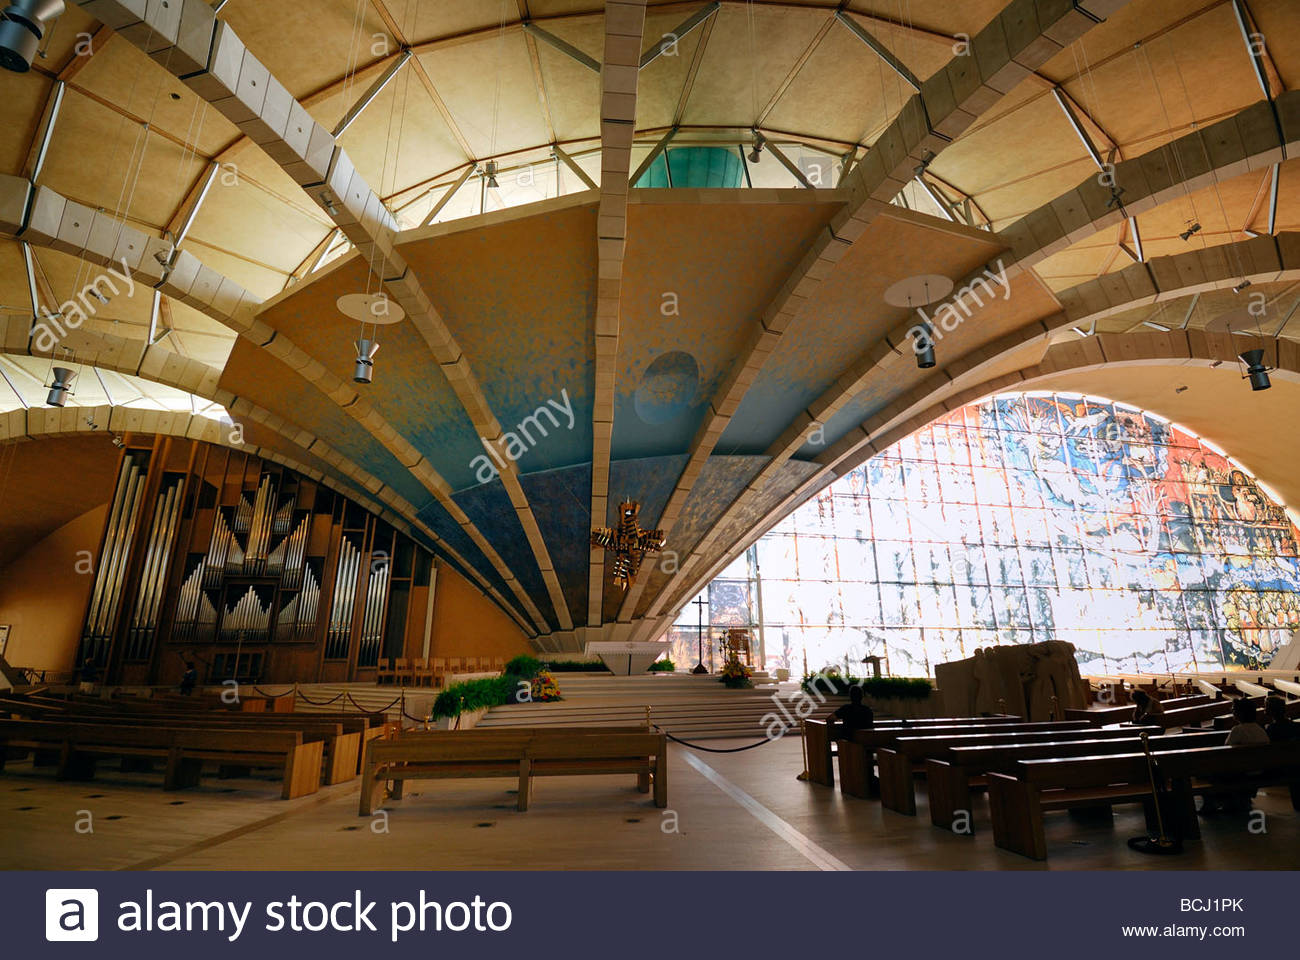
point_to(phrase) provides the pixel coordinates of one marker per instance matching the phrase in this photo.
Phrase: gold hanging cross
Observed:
(627, 543)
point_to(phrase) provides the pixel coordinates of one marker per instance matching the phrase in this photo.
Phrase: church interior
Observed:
(649, 435)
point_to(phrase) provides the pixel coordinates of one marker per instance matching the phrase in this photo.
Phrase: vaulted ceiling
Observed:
(715, 354)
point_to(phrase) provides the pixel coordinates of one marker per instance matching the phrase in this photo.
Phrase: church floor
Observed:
(741, 811)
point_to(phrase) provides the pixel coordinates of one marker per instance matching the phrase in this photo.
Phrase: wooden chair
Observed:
(454, 665)
(402, 669)
(471, 664)
(420, 672)
(438, 671)
(498, 664)
(385, 672)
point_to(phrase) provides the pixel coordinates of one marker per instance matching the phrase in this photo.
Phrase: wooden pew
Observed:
(518, 752)
(819, 742)
(905, 757)
(1184, 716)
(344, 735)
(184, 749)
(858, 760)
(950, 778)
(1122, 714)
(1017, 802)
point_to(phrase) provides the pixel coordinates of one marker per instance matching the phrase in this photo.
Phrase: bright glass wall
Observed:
(1018, 519)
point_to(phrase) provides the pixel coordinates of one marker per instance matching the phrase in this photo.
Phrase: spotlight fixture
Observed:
(756, 154)
(926, 159)
(923, 345)
(90, 422)
(98, 296)
(1256, 372)
(1193, 229)
(118, 442)
(492, 175)
(364, 371)
(23, 24)
(328, 203)
(1241, 286)
(61, 388)
(1183, 389)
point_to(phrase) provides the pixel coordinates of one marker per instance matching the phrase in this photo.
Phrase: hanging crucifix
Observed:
(627, 544)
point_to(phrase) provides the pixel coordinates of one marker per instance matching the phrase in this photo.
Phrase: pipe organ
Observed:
(243, 568)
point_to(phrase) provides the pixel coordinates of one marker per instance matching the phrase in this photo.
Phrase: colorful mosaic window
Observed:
(1023, 518)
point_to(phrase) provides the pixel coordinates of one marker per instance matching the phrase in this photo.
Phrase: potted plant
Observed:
(736, 676)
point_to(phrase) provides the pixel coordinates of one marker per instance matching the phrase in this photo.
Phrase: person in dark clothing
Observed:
(854, 715)
(1146, 708)
(1280, 727)
(189, 679)
(89, 675)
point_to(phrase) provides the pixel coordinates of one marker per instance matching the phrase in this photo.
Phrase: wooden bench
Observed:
(344, 735)
(184, 749)
(858, 756)
(819, 739)
(518, 752)
(951, 779)
(1122, 714)
(1017, 802)
(902, 760)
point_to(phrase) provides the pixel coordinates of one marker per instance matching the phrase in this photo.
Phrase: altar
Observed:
(626, 658)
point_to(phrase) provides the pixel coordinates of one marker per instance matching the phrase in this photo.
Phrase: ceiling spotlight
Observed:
(22, 27)
(756, 154)
(1241, 286)
(1183, 389)
(98, 296)
(1256, 372)
(492, 175)
(923, 345)
(1187, 234)
(61, 388)
(926, 159)
(328, 203)
(90, 422)
(118, 442)
(364, 371)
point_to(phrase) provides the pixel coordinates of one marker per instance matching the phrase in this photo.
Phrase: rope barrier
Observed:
(696, 746)
(271, 696)
(320, 703)
(390, 706)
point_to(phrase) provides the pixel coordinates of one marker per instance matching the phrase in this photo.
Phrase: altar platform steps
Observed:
(689, 710)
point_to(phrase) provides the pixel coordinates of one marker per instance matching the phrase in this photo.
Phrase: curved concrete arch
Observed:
(154, 364)
(1260, 260)
(1016, 42)
(43, 218)
(253, 99)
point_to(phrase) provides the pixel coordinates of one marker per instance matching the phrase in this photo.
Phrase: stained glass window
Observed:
(1022, 518)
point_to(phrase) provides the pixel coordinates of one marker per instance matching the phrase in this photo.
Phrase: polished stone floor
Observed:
(728, 811)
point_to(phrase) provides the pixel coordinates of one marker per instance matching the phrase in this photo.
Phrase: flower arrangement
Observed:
(545, 689)
(736, 676)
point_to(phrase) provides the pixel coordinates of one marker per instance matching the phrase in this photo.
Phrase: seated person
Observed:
(854, 715)
(1247, 730)
(1146, 708)
(1280, 727)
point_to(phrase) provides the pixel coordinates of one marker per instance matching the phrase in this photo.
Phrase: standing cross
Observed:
(627, 543)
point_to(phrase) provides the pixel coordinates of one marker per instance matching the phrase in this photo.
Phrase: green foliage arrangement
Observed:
(884, 688)
(577, 666)
(663, 666)
(523, 666)
(475, 695)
